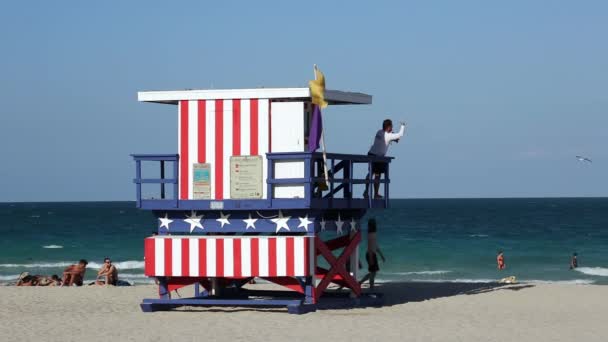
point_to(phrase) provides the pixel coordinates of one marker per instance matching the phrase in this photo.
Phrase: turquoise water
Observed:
(423, 240)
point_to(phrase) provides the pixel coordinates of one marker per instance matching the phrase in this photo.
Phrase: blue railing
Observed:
(162, 158)
(337, 188)
(335, 192)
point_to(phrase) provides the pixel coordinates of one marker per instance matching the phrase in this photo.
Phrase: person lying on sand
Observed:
(25, 279)
(74, 274)
(108, 274)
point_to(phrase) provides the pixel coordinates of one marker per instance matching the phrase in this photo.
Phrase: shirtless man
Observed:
(74, 274)
(108, 273)
(500, 261)
(370, 255)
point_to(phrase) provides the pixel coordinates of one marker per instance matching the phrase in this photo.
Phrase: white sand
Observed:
(416, 312)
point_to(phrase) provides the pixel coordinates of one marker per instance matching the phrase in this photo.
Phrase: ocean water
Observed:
(422, 239)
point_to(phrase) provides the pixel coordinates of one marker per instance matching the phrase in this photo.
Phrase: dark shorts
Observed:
(372, 262)
(378, 168)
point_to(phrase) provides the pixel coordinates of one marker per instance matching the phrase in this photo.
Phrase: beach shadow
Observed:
(393, 293)
(396, 293)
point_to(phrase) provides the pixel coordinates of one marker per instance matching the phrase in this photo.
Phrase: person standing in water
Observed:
(500, 261)
(574, 261)
(371, 255)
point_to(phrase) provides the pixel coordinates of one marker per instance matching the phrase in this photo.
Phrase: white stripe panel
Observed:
(228, 257)
(210, 141)
(228, 133)
(246, 257)
(159, 256)
(193, 250)
(312, 258)
(179, 141)
(176, 257)
(245, 127)
(211, 257)
(281, 256)
(263, 257)
(192, 143)
(263, 112)
(298, 250)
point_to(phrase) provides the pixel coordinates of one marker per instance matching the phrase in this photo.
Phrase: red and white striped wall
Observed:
(210, 131)
(213, 256)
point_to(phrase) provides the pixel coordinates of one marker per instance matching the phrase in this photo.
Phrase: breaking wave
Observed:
(52, 246)
(421, 272)
(596, 271)
(121, 265)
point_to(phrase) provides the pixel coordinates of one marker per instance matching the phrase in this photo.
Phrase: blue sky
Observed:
(499, 96)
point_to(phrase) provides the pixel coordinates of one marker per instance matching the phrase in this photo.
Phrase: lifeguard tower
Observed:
(244, 198)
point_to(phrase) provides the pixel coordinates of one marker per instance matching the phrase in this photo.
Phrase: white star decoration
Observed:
(304, 222)
(339, 225)
(165, 221)
(353, 225)
(223, 219)
(194, 221)
(281, 221)
(323, 223)
(250, 222)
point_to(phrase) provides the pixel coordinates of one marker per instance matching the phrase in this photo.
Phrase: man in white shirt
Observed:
(382, 140)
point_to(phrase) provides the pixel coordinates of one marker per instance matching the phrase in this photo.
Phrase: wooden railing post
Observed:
(176, 183)
(138, 183)
(162, 177)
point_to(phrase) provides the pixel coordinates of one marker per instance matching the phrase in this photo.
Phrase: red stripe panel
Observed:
(168, 257)
(290, 257)
(236, 256)
(236, 127)
(183, 153)
(149, 256)
(307, 256)
(202, 257)
(272, 257)
(255, 256)
(185, 257)
(254, 122)
(202, 129)
(219, 149)
(219, 257)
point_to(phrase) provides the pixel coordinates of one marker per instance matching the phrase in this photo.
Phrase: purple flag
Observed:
(316, 128)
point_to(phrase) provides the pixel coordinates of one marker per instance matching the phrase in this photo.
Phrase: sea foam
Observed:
(421, 272)
(596, 271)
(121, 265)
(52, 246)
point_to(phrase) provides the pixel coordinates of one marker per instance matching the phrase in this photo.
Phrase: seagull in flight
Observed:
(584, 159)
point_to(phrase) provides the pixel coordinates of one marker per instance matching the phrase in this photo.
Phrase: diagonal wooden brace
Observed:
(337, 265)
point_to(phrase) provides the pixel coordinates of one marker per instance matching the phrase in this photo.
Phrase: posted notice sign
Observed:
(246, 177)
(201, 181)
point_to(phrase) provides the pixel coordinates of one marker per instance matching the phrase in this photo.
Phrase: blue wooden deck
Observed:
(340, 194)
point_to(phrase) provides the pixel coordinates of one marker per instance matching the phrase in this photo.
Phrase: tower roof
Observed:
(289, 94)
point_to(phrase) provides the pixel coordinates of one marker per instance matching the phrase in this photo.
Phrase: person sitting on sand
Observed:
(74, 274)
(500, 261)
(573, 261)
(370, 255)
(382, 140)
(108, 273)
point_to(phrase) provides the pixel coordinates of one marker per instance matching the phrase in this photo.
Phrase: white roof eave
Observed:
(173, 96)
